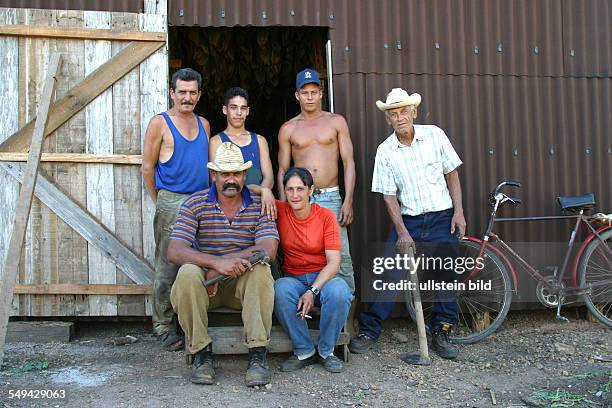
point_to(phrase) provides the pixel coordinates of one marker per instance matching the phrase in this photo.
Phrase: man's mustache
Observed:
(230, 185)
(187, 103)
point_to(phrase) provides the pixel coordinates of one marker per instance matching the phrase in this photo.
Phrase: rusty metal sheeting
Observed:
(496, 37)
(127, 6)
(229, 13)
(451, 37)
(587, 36)
(552, 134)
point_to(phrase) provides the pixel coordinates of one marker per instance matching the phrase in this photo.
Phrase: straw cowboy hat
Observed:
(229, 159)
(398, 98)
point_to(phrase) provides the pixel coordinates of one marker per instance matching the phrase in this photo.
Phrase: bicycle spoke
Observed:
(484, 306)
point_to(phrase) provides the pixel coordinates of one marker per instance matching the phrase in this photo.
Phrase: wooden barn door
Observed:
(89, 242)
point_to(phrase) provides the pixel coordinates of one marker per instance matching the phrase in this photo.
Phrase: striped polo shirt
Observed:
(204, 226)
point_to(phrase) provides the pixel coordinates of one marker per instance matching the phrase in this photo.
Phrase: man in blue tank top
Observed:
(175, 155)
(254, 147)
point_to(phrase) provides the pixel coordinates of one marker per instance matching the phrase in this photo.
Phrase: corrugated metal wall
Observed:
(523, 89)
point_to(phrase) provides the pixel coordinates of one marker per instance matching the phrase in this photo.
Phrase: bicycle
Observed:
(481, 312)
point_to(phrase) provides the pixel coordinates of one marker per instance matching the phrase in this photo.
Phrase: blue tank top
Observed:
(249, 152)
(185, 172)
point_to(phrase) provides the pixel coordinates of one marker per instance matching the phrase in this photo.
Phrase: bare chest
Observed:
(313, 136)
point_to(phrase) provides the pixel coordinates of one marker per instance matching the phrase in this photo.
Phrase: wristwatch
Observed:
(314, 290)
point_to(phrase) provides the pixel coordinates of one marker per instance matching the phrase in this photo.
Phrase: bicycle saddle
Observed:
(577, 203)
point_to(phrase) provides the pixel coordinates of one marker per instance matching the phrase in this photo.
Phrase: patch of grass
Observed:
(607, 387)
(34, 365)
(563, 399)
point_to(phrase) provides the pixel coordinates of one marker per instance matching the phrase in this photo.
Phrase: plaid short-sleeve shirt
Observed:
(415, 173)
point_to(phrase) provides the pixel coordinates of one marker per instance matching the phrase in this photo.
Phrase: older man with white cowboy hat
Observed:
(216, 232)
(416, 172)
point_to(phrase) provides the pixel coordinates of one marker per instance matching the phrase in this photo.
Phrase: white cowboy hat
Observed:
(398, 98)
(229, 159)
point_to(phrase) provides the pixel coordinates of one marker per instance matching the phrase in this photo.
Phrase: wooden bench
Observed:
(228, 339)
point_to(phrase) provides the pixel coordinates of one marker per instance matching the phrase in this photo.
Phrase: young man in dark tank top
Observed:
(254, 147)
(175, 155)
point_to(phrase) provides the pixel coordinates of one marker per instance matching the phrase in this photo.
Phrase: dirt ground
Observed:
(531, 361)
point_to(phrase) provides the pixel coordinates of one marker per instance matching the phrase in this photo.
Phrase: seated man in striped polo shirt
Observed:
(216, 231)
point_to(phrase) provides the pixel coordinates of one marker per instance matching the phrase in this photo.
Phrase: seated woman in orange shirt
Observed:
(310, 239)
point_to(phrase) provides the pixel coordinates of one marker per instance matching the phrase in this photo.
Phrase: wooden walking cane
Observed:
(420, 357)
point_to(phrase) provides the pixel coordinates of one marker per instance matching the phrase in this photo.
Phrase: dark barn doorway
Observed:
(262, 60)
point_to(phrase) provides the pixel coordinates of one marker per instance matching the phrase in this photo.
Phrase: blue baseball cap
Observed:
(307, 76)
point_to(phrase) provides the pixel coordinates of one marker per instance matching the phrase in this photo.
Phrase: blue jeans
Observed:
(333, 201)
(432, 232)
(334, 301)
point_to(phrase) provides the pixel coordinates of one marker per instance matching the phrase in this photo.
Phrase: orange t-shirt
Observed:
(304, 241)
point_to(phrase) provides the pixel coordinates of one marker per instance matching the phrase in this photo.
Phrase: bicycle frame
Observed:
(580, 218)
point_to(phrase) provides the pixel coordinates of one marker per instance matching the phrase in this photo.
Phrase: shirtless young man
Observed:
(174, 162)
(316, 139)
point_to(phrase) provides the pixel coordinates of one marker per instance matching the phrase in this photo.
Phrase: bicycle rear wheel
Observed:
(595, 270)
(481, 312)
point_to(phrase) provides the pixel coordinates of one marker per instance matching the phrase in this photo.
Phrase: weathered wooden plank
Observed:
(9, 122)
(133, 159)
(128, 197)
(39, 332)
(156, 7)
(41, 260)
(70, 178)
(25, 201)
(82, 94)
(20, 30)
(9, 119)
(153, 100)
(100, 185)
(85, 289)
(86, 225)
(230, 340)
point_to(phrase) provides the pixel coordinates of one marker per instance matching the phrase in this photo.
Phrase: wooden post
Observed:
(25, 201)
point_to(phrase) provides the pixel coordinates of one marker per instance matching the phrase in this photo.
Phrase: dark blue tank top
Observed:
(249, 152)
(185, 172)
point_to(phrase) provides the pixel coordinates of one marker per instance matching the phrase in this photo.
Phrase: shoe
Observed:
(293, 363)
(258, 372)
(441, 345)
(361, 344)
(203, 371)
(332, 364)
(171, 341)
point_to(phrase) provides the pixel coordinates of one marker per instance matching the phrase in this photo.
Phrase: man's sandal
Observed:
(172, 341)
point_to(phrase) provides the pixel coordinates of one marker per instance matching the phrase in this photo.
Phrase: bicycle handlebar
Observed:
(509, 183)
(513, 183)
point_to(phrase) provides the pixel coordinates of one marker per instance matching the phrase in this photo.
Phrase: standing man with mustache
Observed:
(175, 155)
(316, 140)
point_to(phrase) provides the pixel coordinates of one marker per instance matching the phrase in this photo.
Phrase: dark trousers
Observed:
(431, 232)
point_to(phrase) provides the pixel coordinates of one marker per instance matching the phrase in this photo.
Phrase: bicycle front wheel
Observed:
(481, 309)
(595, 271)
